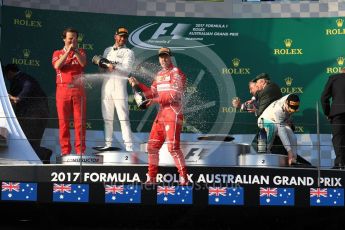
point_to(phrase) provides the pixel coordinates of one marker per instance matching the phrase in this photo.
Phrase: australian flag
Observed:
(225, 196)
(174, 195)
(326, 197)
(71, 193)
(277, 196)
(123, 194)
(19, 191)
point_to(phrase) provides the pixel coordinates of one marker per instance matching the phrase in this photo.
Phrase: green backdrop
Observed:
(219, 57)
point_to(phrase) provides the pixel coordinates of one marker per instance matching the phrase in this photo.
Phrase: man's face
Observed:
(165, 61)
(260, 84)
(288, 109)
(253, 88)
(71, 38)
(120, 40)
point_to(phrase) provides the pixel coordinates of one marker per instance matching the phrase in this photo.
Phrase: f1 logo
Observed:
(177, 32)
(195, 154)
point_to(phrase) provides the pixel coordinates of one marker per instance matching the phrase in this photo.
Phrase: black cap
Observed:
(121, 31)
(293, 102)
(164, 50)
(261, 76)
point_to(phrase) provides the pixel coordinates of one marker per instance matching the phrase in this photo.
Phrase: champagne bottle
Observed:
(262, 139)
(139, 97)
(101, 61)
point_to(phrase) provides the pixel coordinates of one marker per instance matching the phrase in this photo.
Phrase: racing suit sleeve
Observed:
(149, 92)
(55, 57)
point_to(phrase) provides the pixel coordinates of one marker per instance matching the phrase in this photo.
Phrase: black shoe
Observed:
(106, 148)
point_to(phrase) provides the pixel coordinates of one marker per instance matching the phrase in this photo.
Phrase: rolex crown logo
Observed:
(26, 53)
(340, 60)
(288, 81)
(80, 37)
(288, 43)
(236, 62)
(340, 22)
(28, 14)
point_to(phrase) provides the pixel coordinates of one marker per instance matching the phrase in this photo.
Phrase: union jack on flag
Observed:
(113, 189)
(326, 197)
(123, 194)
(226, 196)
(19, 191)
(70, 192)
(277, 196)
(62, 188)
(174, 195)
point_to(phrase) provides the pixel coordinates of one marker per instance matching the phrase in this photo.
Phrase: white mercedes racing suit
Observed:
(276, 121)
(114, 94)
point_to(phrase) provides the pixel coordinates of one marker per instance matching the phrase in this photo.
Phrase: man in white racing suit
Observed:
(276, 121)
(114, 90)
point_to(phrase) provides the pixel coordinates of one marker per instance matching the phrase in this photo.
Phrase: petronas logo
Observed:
(288, 43)
(340, 22)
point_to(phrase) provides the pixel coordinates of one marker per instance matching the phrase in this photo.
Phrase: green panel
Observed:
(219, 57)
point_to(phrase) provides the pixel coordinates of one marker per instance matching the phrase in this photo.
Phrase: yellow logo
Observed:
(236, 62)
(28, 14)
(288, 50)
(85, 46)
(26, 61)
(340, 61)
(236, 69)
(80, 37)
(288, 81)
(27, 20)
(26, 53)
(340, 22)
(336, 30)
(336, 69)
(289, 88)
(288, 43)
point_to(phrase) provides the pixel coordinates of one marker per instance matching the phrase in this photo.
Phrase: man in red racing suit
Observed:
(167, 90)
(69, 64)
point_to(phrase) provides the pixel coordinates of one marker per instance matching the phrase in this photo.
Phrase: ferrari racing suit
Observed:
(167, 90)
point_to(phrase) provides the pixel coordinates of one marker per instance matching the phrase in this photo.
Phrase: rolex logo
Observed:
(26, 53)
(340, 60)
(236, 62)
(340, 22)
(80, 37)
(288, 81)
(28, 14)
(288, 43)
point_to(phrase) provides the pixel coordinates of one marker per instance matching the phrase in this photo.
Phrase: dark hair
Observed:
(69, 29)
(10, 67)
